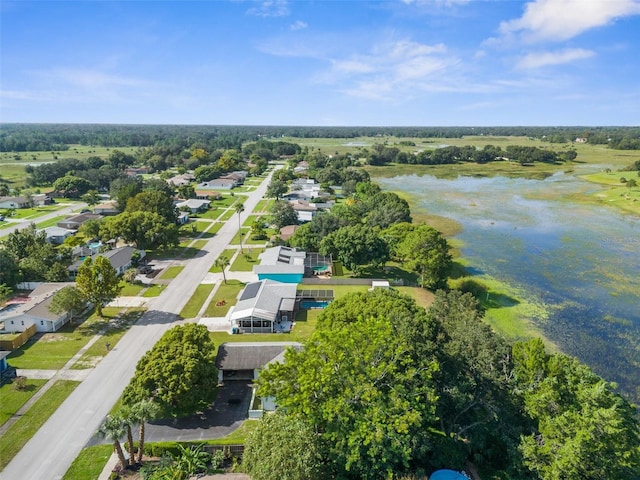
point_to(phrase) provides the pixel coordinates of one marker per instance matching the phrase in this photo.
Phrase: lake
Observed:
(582, 261)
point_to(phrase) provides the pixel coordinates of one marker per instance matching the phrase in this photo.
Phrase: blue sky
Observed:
(279, 62)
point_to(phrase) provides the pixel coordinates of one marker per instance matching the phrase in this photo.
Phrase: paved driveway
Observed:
(226, 415)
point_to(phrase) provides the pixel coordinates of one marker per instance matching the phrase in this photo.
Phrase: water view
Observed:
(580, 261)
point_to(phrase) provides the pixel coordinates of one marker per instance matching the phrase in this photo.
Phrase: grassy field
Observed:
(20, 432)
(130, 289)
(196, 301)
(11, 399)
(618, 195)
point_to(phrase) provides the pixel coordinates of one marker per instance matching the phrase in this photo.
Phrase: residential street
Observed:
(50, 452)
(19, 224)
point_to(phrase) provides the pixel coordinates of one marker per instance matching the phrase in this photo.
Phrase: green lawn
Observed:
(194, 228)
(196, 301)
(264, 205)
(131, 289)
(193, 249)
(227, 215)
(172, 272)
(227, 292)
(239, 235)
(20, 432)
(11, 399)
(229, 253)
(89, 464)
(237, 437)
(245, 262)
(211, 214)
(252, 218)
(52, 222)
(50, 351)
(225, 201)
(154, 290)
(32, 213)
(338, 290)
(113, 331)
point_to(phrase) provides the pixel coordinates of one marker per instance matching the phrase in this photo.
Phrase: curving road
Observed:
(52, 449)
(20, 224)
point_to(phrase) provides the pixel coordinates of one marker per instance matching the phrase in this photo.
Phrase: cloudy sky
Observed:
(285, 62)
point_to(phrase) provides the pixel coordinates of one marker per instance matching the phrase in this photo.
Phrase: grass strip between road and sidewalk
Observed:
(196, 301)
(89, 463)
(21, 432)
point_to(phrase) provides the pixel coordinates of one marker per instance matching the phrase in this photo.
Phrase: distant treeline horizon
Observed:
(22, 137)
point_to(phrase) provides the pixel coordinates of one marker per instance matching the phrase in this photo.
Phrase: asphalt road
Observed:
(53, 448)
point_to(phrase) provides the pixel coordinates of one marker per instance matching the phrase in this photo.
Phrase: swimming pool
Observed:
(321, 268)
(311, 304)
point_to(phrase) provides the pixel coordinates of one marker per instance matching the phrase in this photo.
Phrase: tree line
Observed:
(56, 137)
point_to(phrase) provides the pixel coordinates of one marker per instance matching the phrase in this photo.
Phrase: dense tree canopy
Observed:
(153, 201)
(283, 447)
(282, 214)
(178, 373)
(366, 385)
(145, 229)
(355, 246)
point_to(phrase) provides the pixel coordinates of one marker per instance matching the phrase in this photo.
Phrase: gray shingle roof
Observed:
(250, 356)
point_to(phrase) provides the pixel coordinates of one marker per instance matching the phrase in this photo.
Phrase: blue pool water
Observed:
(447, 475)
(309, 304)
(321, 268)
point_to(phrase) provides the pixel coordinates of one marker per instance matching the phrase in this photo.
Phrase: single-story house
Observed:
(305, 210)
(206, 194)
(238, 176)
(14, 202)
(178, 180)
(263, 306)
(57, 235)
(41, 199)
(217, 184)
(244, 360)
(135, 171)
(74, 222)
(287, 231)
(121, 259)
(282, 264)
(17, 317)
(106, 208)
(195, 205)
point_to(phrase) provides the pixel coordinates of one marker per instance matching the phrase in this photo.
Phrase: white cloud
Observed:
(564, 19)
(542, 59)
(298, 25)
(392, 70)
(445, 3)
(270, 8)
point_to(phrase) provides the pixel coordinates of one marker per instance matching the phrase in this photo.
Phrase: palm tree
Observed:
(239, 210)
(114, 428)
(222, 262)
(143, 411)
(129, 418)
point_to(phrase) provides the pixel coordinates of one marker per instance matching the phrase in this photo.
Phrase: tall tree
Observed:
(355, 246)
(276, 189)
(113, 428)
(178, 373)
(97, 281)
(145, 229)
(222, 262)
(283, 447)
(583, 428)
(72, 187)
(426, 252)
(239, 210)
(282, 214)
(365, 383)
(143, 411)
(153, 201)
